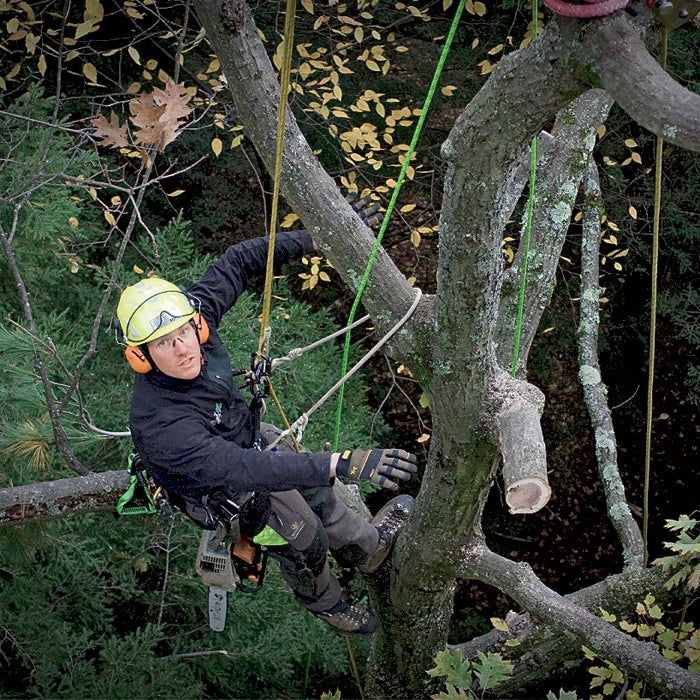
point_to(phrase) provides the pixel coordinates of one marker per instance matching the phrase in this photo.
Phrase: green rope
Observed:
(528, 229)
(390, 208)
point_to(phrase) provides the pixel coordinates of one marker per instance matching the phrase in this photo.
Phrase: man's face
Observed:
(178, 354)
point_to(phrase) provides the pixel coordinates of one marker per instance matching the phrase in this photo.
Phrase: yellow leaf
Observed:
(601, 131)
(90, 72)
(134, 55)
(496, 49)
(372, 65)
(636, 157)
(137, 270)
(613, 226)
(216, 146)
(73, 222)
(499, 624)
(632, 212)
(480, 8)
(109, 217)
(448, 90)
(408, 207)
(486, 66)
(415, 238)
(41, 65)
(324, 276)
(630, 143)
(308, 5)
(289, 220)
(423, 438)
(175, 193)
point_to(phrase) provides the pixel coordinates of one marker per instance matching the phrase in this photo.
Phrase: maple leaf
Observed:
(111, 132)
(146, 114)
(160, 115)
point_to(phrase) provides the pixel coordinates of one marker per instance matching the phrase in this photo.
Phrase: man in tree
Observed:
(200, 440)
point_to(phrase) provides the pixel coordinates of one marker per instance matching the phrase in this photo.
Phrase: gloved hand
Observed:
(366, 209)
(381, 467)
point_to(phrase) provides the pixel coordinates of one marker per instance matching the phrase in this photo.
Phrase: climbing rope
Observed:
(285, 70)
(652, 323)
(298, 426)
(528, 226)
(390, 208)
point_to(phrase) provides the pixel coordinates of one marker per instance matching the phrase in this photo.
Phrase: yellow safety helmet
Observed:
(151, 309)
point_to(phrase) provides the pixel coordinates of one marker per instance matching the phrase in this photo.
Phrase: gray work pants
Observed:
(314, 521)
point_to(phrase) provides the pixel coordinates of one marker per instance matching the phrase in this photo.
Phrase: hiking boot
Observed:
(389, 520)
(349, 618)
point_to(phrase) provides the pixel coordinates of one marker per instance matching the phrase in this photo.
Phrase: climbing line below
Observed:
(392, 202)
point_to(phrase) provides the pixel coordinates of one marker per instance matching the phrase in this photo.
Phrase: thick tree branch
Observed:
(557, 180)
(639, 658)
(594, 391)
(520, 441)
(50, 500)
(540, 653)
(615, 51)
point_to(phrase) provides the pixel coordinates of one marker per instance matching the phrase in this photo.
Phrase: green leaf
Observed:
(491, 669)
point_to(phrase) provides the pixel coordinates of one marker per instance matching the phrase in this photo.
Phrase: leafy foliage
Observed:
(463, 678)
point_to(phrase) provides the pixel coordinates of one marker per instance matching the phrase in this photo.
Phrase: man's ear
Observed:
(137, 360)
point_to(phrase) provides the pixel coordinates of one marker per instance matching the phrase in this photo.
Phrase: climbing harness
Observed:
(142, 496)
(227, 560)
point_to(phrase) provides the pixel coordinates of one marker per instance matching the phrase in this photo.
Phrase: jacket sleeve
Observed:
(182, 455)
(227, 278)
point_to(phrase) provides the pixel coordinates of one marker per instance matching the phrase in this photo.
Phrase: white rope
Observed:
(298, 352)
(301, 422)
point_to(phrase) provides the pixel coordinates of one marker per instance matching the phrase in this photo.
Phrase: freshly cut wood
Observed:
(524, 457)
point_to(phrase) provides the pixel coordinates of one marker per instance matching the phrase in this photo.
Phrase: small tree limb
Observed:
(594, 390)
(641, 659)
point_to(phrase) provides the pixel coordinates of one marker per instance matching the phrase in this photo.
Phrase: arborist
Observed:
(195, 433)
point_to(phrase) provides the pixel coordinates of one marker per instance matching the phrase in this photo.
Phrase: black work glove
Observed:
(366, 209)
(381, 467)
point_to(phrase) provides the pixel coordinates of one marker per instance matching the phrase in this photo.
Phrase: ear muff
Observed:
(200, 324)
(137, 360)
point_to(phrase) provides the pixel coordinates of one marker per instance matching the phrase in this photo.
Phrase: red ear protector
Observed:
(139, 360)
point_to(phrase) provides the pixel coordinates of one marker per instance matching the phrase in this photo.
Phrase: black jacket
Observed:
(194, 435)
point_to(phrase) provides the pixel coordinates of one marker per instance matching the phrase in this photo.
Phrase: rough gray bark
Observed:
(55, 499)
(558, 614)
(594, 390)
(540, 652)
